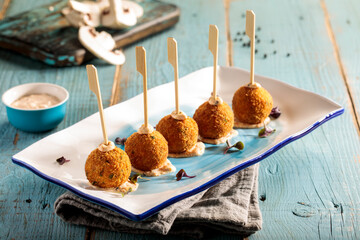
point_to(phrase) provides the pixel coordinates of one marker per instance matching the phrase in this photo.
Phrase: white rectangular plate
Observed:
(302, 112)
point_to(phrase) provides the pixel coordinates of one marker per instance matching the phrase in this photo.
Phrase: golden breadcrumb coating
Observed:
(107, 169)
(181, 135)
(147, 151)
(214, 121)
(252, 105)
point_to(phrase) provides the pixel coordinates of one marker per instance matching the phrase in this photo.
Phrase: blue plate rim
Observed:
(212, 182)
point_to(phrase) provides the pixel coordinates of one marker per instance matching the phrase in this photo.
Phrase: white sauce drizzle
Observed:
(35, 101)
(215, 101)
(178, 116)
(164, 169)
(145, 129)
(105, 148)
(127, 187)
(217, 141)
(255, 85)
(238, 124)
(197, 150)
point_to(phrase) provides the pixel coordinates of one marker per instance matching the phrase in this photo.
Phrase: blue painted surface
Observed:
(307, 190)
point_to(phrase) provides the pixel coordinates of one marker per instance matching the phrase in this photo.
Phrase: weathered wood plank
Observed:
(46, 35)
(21, 218)
(13, 187)
(309, 188)
(4, 5)
(344, 24)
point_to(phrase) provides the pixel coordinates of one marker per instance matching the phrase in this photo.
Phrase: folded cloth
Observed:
(230, 207)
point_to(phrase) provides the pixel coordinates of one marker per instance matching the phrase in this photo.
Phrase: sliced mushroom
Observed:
(139, 11)
(118, 17)
(76, 19)
(85, 13)
(89, 6)
(101, 45)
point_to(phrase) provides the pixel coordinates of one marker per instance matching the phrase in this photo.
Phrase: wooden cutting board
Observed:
(44, 33)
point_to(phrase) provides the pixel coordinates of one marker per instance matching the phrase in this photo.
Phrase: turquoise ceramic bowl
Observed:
(38, 120)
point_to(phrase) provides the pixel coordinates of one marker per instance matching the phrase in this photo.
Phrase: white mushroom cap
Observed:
(118, 17)
(116, 14)
(85, 13)
(89, 6)
(138, 10)
(101, 45)
(76, 19)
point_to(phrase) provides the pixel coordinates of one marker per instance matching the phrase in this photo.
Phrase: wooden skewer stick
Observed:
(141, 68)
(250, 31)
(95, 88)
(213, 47)
(173, 60)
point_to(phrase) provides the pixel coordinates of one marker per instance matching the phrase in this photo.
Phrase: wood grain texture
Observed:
(44, 33)
(309, 189)
(4, 6)
(116, 89)
(26, 201)
(344, 23)
(35, 219)
(173, 60)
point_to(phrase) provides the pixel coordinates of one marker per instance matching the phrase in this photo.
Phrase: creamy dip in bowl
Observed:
(35, 107)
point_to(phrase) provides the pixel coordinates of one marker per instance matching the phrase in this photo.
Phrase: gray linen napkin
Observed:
(230, 207)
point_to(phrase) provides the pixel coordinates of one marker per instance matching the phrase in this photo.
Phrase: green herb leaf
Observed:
(134, 178)
(266, 131)
(239, 145)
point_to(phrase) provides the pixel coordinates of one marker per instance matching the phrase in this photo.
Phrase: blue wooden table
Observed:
(307, 190)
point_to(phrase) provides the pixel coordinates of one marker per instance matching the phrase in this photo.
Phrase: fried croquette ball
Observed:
(147, 151)
(214, 121)
(252, 105)
(107, 169)
(181, 135)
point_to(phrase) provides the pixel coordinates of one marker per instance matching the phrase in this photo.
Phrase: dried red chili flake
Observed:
(62, 160)
(275, 112)
(182, 174)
